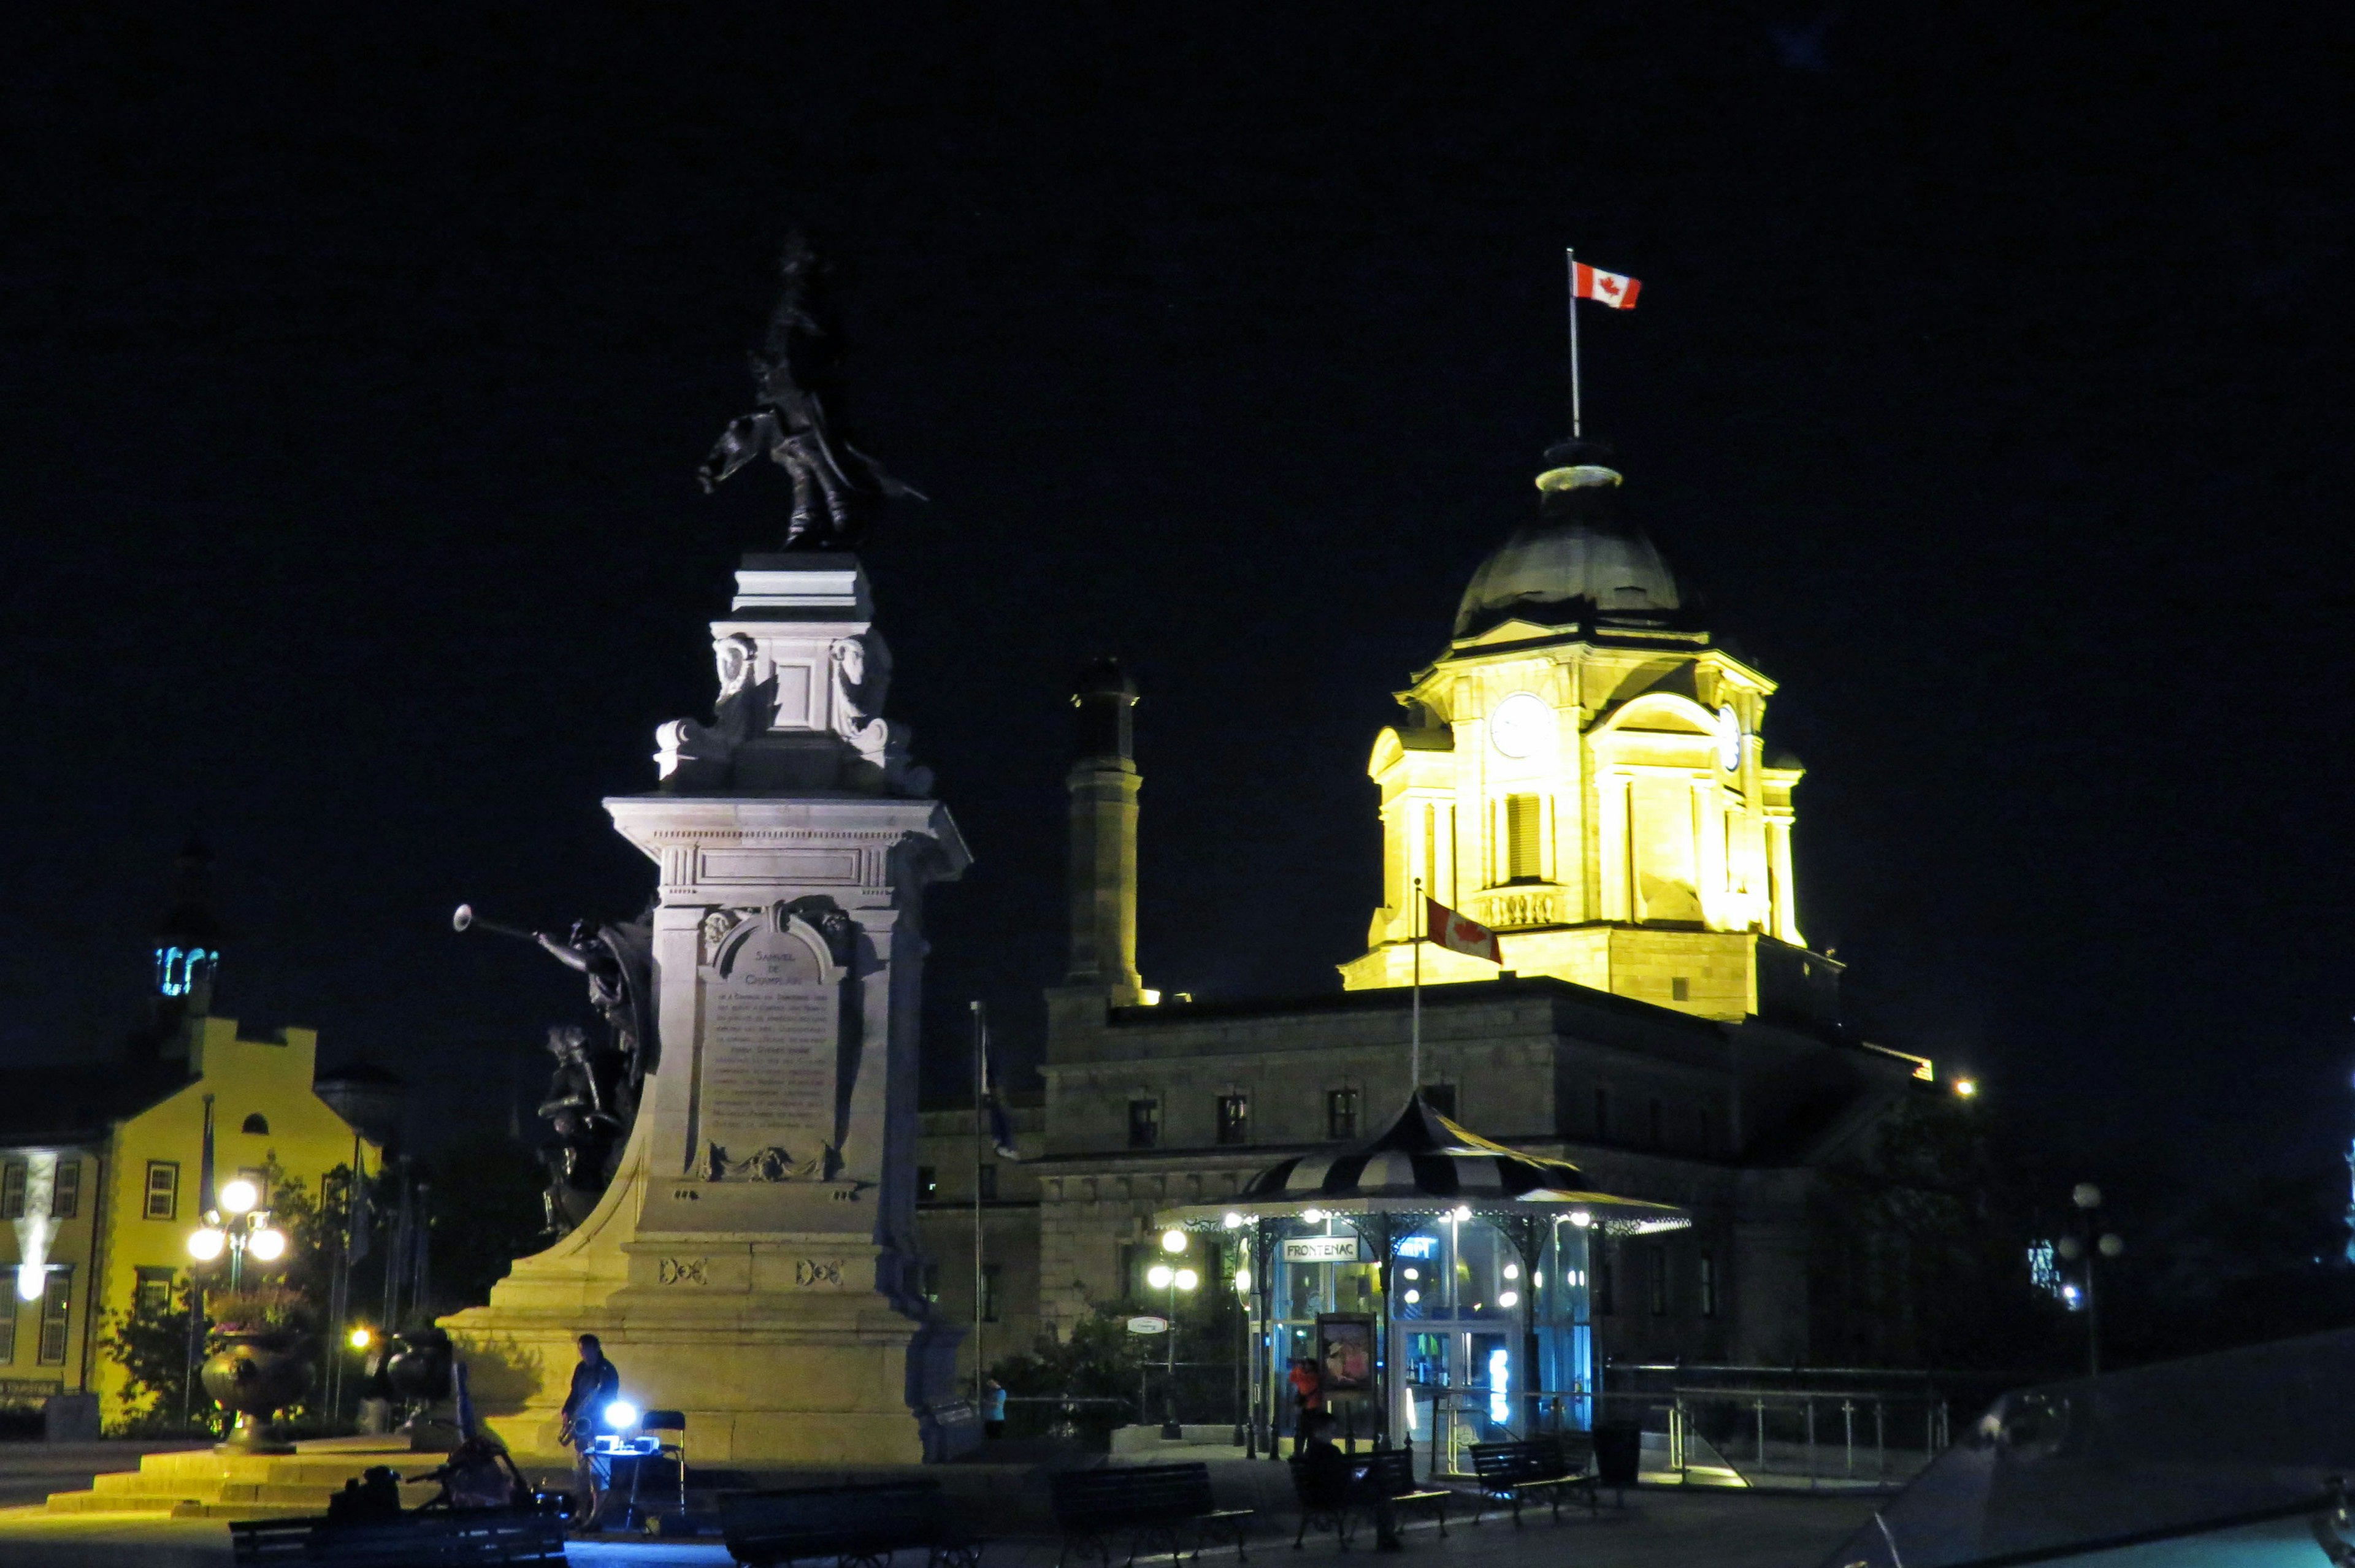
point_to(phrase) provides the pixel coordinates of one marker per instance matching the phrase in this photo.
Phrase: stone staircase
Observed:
(207, 1484)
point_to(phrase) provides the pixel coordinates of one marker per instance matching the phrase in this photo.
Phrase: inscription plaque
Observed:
(771, 1029)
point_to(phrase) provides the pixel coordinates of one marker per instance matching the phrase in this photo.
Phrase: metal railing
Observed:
(1846, 1436)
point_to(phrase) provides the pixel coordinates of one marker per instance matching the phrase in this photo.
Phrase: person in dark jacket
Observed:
(596, 1384)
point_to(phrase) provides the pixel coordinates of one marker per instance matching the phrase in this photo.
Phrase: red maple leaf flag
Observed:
(1458, 935)
(1609, 288)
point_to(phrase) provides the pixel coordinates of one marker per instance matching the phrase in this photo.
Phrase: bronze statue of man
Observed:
(796, 373)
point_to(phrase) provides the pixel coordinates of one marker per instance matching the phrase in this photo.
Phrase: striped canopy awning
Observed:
(1425, 1163)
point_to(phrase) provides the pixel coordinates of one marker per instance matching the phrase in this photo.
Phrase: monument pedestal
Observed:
(753, 1262)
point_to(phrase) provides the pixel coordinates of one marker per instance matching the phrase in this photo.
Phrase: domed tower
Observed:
(1582, 772)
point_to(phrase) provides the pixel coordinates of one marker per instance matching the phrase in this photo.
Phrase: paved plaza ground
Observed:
(1664, 1528)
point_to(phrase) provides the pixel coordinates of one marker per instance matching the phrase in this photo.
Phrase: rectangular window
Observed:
(1656, 1124)
(1234, 1118)
(928, 1182)
(55, 1302)
(1341, 1113)
(932, 1284)
(1145, 1124)
(12, 1190)
(989, 1293)
(153, 1292)
(1657, 1256)
(65, 1199)
(163, 1189)
(1601, 1276)
(1680, 989)
(1524, 827)
(1440, 1097)
(988, 1173)
(1706, 1277)
(8, 1328)
(1602, 1115)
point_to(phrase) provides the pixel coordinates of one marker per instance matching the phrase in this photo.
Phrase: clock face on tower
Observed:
(1520, 725)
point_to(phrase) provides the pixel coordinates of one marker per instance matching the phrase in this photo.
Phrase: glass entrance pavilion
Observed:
(1429, 1286)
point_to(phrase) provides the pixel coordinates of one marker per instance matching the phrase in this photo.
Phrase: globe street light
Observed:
(2088, 1197)
(1162, 1276)
(236, 1228)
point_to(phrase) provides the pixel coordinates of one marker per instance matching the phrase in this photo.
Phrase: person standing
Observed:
(596, 1384)
(993, 1409)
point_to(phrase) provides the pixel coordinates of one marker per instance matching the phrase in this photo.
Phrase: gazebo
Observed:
(1436, 1281)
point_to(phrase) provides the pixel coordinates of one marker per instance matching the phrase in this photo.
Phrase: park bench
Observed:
(1155, 1504)
(1391, 1474)
(1543, 1466)
(1386, 1478)
(419, 1539)
(854, 1524)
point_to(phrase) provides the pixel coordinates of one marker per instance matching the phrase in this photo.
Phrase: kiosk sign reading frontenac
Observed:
(765, 1106)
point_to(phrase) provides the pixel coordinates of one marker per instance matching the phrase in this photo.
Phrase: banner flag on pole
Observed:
(1001, 1131)
(1613, 289)
(1459, 934)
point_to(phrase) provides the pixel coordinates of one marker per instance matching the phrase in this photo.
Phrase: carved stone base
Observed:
(780, 1349)
(754, 1261)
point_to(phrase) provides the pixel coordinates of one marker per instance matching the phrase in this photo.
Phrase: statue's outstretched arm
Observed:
(570, 956)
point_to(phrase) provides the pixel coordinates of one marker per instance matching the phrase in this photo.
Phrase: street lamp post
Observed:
(2084, 1245)
(238, 1227)
(1162, 1276)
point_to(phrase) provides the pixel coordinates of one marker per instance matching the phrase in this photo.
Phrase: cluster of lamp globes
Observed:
(2088, 1197)
(1161, 1276)
(239, 1225)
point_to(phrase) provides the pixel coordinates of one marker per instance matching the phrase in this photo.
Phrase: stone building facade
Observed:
(1583, 771)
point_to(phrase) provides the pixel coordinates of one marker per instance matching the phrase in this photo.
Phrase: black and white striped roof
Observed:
(1422, 1155)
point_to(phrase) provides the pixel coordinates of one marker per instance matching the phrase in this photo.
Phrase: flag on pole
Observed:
(360, 1216)
(1000, 1131)
(1613, 289)
(207, 1199)
(1459, 934)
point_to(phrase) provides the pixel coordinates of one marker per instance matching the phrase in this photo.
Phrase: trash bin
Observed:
(1618, 1454)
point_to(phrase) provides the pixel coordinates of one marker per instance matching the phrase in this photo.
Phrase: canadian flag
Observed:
(1610, 288)
(1458, 935)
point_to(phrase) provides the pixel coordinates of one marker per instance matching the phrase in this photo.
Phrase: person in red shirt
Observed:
(1308, 1396)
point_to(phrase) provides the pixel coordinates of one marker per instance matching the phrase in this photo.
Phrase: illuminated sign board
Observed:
(1418, 1247)
(1321, 1250)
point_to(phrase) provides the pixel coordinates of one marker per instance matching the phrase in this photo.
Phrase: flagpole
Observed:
(1570, 258)
(1414, 1048)
(980, 1136)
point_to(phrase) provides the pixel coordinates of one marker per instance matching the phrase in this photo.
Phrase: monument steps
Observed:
(205, 1484)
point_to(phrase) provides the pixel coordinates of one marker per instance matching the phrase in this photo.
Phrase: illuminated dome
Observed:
(1581, 560)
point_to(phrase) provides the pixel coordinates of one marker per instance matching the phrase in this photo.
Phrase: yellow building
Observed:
(100, 1183)
(1584, 772)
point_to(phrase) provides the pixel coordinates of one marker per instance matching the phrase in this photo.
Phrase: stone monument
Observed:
(753, 1262)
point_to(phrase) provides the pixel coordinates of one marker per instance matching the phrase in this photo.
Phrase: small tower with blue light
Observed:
(188, 951)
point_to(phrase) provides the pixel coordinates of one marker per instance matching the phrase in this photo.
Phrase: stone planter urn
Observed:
(256, 1375)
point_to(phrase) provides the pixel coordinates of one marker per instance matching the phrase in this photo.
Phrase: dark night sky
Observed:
(1990, 375)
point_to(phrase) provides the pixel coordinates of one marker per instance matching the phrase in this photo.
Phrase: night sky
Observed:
(1990, 376)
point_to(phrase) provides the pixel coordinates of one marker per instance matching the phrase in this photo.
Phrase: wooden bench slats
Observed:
(416, 1539)
(853, 1521)
(1149, 1501)
(1537, 1466)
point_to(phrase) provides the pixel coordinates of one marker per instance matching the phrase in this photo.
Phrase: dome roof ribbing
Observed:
(1581, 560)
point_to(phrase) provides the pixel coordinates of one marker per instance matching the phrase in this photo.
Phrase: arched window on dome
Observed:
(256, 1124)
